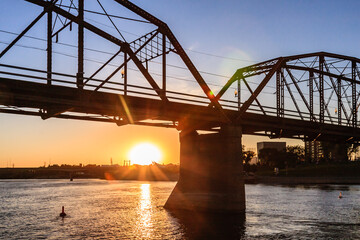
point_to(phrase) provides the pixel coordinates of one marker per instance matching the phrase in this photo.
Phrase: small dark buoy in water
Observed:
(62, 214)
(340, 195)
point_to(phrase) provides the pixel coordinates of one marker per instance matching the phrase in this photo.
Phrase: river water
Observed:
(99, 209)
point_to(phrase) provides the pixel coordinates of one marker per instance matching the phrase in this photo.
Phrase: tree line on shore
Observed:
(293, 156)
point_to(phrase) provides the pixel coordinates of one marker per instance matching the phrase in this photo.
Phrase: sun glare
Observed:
(144, 154)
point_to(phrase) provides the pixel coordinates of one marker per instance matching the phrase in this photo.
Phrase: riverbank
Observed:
(311, 174)
(154, 172)
(304, 180)
(325, 173)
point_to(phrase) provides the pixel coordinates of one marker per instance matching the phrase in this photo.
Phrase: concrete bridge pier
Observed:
(211, 172)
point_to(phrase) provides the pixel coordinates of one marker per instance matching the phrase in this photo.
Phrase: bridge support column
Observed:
(211, 172)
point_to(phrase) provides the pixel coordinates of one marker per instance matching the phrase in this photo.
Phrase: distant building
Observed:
(275, 145)
(313, 151)
(279, 146)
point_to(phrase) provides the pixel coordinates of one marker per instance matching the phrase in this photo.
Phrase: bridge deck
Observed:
(67, 102)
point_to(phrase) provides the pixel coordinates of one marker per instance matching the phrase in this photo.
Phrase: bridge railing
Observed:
(69, 80)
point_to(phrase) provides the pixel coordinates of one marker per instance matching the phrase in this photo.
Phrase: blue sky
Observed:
(264, 29)
(248, 31)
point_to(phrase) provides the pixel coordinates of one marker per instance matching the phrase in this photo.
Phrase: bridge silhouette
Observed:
(310, 96)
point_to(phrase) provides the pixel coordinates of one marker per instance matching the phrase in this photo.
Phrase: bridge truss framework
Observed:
(313, 96)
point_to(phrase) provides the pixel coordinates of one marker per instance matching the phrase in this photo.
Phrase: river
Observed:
(99, 209)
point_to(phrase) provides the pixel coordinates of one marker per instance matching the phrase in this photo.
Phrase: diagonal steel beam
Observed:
(23, 32)
(112, 74)
(102, 67)
(345, 94)
(239, 73)
(257, 101)
(340, 102)
(62, 28)
(132, 7)
(337, 92)
(179, 50)
(111, 20)
(325, 105)
(301, 94)
(234, 77)
(145, 72)
(321, 77)
(329, 99)
(108, 37)
(261, 86)
(292, 96)
(322, 72)
(125, 61)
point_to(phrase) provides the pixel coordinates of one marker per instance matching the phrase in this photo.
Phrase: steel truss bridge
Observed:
(310, 96)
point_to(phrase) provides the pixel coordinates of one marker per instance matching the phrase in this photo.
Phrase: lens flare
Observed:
(144, 154)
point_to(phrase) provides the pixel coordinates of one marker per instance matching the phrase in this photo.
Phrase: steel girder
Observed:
(322, 87)
(140, 51)
(318, 86)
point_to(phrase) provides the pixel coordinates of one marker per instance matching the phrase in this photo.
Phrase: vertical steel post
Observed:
(80, 74)
(164, 64)
(239, 93)
(282, 93)
(125, 74)
(49, 46)
(311, 95)
(353, 95)
(278, 92)
(339, 100)
(321, 88)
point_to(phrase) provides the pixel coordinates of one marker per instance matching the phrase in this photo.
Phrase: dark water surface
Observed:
(98, 209)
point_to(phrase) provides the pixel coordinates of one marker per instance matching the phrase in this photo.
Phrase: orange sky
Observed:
(29, 141)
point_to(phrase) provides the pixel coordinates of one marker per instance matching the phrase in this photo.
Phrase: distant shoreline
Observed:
(135, 172)
(326, 174)
(267, 180)
(305, 180)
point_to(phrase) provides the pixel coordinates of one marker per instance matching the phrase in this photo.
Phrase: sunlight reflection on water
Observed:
(145, 223)
(98, 209)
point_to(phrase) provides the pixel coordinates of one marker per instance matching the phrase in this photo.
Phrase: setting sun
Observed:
(144, 154)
